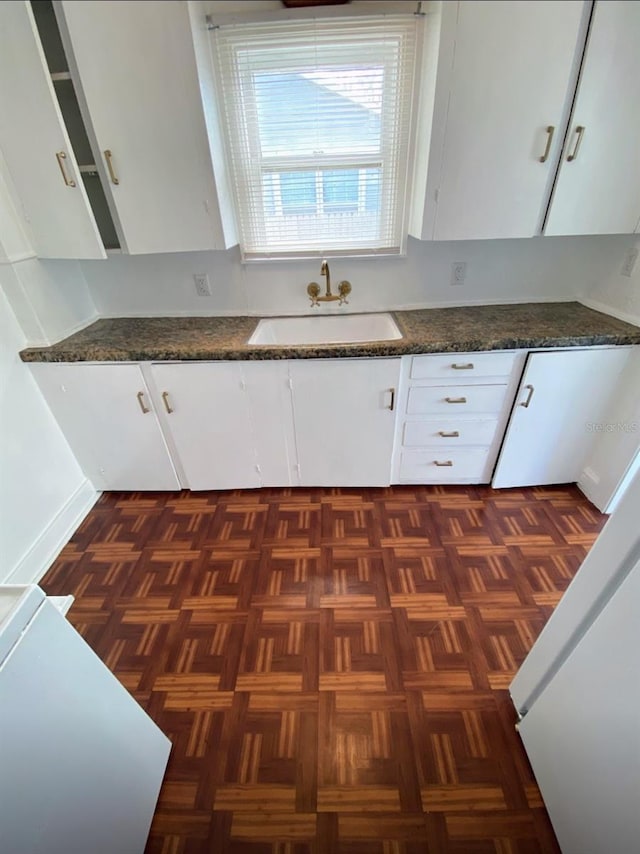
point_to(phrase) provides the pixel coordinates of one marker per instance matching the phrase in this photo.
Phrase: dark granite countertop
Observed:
(435, 330)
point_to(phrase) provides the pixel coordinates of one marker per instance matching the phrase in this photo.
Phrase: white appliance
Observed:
(81, 763)
(578, 692)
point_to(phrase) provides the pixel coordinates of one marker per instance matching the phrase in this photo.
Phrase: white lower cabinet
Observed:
(563, 398)
(336, 422)
(453, 409)
(107, 415)
(269, 392)
(344, 420)
(206, 410)
(322, 422)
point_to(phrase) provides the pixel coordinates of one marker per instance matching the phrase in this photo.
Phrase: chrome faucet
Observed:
(313, 289)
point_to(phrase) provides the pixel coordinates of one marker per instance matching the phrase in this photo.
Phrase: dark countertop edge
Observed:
(402, 347)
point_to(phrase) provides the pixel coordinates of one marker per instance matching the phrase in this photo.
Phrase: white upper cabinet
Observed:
(503, 92)
(135, 70)
(598, 186)
(36, 146)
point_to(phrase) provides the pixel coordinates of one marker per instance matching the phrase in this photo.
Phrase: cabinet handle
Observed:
(467, 367)
(165, 400)
(112, 174)
(393, 399)
(550, 132)
(61, 157)
(456, 399)
(446, 463)
(526, 402)
(144, 408)
(574, 153)
(451, 435)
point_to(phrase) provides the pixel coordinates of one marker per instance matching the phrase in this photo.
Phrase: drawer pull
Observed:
(112, 174)
(580, 133)
(448, 463)
(453, 434)
(144, 408)
(467, 367)
(456, 399)
(526, 402)
(550, 132)
(61, 157)
(167, 405)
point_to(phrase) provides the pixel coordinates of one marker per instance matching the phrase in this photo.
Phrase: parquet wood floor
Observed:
(331, 665)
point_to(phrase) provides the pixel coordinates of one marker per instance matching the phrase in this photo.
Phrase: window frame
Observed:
(394, 171)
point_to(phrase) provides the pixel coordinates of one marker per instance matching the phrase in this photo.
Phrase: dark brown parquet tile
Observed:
(331, 665)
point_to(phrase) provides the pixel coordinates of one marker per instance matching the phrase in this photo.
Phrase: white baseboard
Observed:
(55, 536)
(610, 310)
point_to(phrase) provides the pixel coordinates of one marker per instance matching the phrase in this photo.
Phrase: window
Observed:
(317, 117)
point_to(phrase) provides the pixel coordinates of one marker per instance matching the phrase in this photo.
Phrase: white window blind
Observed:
(317, 116)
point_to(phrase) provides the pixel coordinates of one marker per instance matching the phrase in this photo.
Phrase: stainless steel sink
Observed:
(325, 329)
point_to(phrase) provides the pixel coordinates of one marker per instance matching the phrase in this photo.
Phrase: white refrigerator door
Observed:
(80, 762)
(611, 558)
(582, 734)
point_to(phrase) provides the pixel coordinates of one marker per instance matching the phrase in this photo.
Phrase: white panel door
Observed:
(36, 146)
(344, 420)
(137, 71)
(598, 190)
(510, 81)
(563, 395)
(100, 410)
(582, 734)
(82, 763)
(206, 408)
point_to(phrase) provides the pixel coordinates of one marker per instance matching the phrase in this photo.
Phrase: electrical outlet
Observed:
(203, 288)
(629, 262)
(458, 272)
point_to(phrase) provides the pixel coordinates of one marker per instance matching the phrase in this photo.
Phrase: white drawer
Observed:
(453, 433)
(448, 366)
(454, 464)
(456, 400)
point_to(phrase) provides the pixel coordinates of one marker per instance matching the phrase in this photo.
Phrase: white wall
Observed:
(537, 269)
(618, 294)
(50, 299)
(43, 492)
(616, 441)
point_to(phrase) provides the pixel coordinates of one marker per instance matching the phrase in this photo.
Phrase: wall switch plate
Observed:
(203, 288)
(629, 262)
(458, 272)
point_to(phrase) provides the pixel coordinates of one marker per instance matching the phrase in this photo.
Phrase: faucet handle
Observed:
(344, 289)
(313, 289)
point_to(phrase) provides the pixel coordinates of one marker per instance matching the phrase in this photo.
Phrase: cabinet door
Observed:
(344, 421)
(36, 146)
(510, 81)
(562, 396)
(598, 189)
(100, 410)
(206, 408)
(267, 384)
(139, 87)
